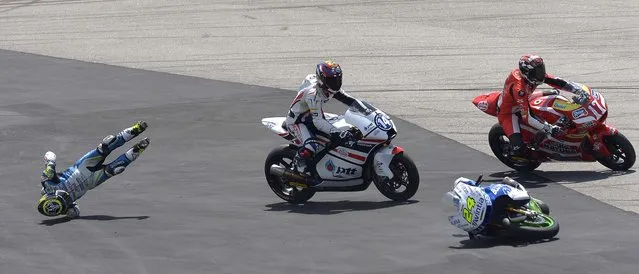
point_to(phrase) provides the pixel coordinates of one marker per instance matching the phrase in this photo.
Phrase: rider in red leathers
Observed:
(513, 102)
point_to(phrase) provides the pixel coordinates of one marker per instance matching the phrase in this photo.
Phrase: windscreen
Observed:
(362, 107)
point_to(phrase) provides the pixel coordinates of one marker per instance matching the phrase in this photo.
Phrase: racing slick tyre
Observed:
(499, 143)
(544, 207)
(542, 227)
(281, 187)
(623, 154)
(405, 181)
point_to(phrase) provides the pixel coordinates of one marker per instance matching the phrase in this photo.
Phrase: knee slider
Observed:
(103, 147)
(114, 171)
(131, 154)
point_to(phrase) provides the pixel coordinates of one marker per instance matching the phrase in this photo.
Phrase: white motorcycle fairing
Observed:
(518, 193)
(344, 165)
(275, 124)
(383, 158)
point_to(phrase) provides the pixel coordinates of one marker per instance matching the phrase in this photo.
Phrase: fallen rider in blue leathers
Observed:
(62, 190)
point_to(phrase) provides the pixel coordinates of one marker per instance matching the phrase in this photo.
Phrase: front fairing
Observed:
(584, 122)
(374, 124)
(551, 107)
(517, 196)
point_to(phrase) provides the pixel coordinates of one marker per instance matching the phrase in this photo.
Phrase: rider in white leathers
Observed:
(306, 115)
(471, 206)
(61, 190)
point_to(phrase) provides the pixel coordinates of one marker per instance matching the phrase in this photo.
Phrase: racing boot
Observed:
(300, 161)
(135, 130)
(300, 165)
(518, 149)
(137, 149)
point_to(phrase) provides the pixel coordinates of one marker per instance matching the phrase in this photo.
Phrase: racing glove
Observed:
(49, 171)
(551, 130)
(581, 98)
(343, 137)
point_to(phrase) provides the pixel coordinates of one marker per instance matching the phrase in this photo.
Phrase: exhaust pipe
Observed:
(277, 170)
(280, 171)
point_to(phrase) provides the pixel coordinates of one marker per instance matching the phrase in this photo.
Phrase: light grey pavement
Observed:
(196, 200)
(421, 60)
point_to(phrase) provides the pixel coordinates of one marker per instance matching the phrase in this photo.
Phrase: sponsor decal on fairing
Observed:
(580, 112)
(338, 171)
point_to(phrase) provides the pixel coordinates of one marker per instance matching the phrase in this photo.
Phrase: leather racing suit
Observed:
(306, 114)
(513, 103)
(89, 171)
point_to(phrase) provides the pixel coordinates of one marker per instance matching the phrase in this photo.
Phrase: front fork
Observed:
(523, 215)
(383, 158)
(595, 139)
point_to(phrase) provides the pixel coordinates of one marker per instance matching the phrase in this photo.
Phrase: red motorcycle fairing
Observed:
(560, 148)
(587, 122)
(488, 102)
(597, 136)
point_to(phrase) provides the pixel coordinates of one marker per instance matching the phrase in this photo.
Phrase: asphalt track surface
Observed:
(196, 201)
(421, 60)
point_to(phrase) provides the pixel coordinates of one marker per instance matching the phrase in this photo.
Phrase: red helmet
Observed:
(329, 75)
(532, 69)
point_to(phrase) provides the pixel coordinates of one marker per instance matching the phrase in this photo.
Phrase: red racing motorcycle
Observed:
(585, 136)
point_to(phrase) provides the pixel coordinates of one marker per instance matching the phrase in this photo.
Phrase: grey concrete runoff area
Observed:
(197, 202)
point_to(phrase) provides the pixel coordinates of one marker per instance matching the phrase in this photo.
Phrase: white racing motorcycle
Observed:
(344, 167)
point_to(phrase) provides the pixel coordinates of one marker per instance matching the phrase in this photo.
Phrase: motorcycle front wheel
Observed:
(405, 181)
(622, 155)
(283, 156)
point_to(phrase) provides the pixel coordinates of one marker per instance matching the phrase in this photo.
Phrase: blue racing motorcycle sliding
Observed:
(344, 167)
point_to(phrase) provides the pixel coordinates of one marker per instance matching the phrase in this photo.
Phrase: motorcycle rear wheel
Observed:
(498, 140)
(405, 175)
(623, 154)
(284, 156)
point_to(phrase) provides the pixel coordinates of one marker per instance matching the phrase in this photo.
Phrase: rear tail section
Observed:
(276, 125)
(487, 102)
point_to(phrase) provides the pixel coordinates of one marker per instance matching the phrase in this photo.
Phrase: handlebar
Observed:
(480, 179)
